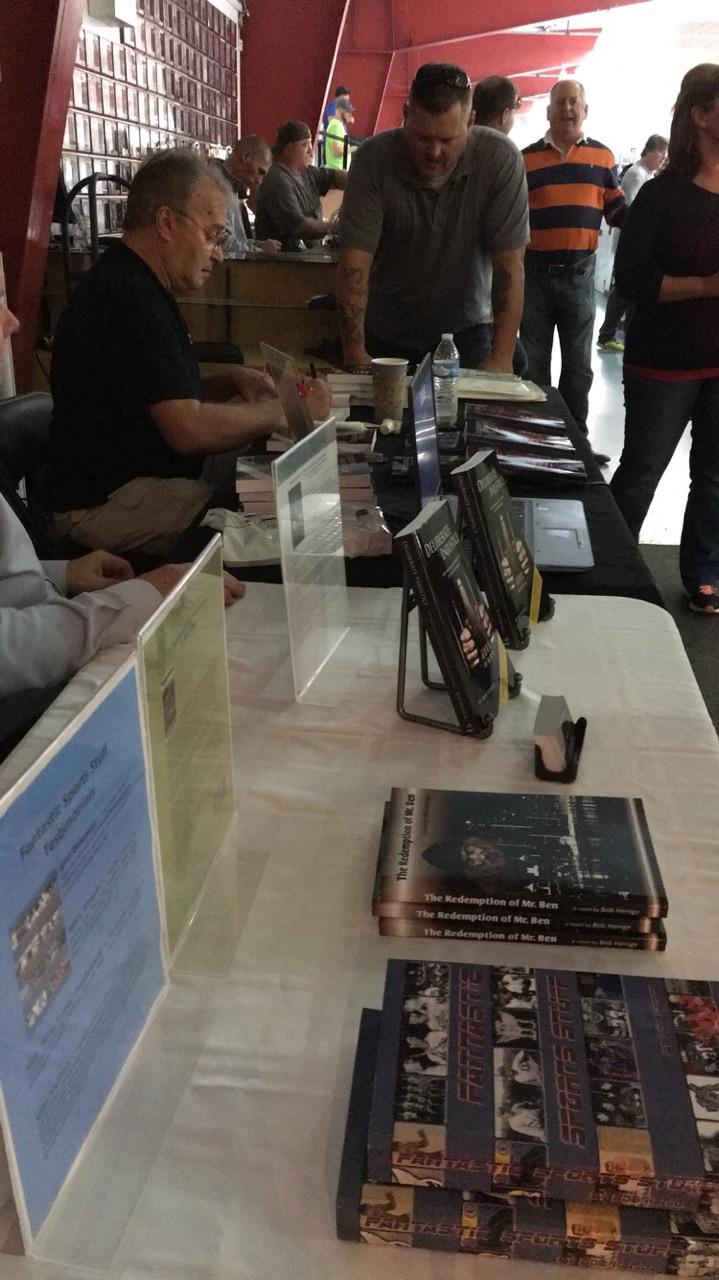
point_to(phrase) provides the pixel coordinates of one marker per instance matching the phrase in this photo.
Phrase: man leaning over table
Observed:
(55, 615)
(133, 421)
(431, 213)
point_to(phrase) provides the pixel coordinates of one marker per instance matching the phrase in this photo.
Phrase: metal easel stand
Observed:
(409, 603)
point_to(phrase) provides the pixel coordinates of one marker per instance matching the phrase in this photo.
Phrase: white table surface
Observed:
(218, 1159)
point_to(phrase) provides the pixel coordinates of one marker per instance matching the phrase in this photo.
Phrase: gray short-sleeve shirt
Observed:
(431, 268)
(286, 198)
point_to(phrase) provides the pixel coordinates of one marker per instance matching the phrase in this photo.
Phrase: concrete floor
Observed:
(606, 430)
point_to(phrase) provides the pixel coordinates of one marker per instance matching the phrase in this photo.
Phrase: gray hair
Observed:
(169, 178)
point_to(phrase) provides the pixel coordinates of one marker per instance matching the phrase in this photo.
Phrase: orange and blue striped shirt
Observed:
(568, 195)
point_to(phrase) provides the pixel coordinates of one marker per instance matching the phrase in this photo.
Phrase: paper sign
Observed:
(183, 656)
(80, 939)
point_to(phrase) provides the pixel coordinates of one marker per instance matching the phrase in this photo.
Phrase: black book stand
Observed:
(409, 603)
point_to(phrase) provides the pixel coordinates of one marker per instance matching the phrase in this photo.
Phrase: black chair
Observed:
(24, 431)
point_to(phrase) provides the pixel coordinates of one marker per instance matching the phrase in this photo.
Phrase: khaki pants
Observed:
(146, 514)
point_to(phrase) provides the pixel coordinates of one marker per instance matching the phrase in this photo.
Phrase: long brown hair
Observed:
(699, 88)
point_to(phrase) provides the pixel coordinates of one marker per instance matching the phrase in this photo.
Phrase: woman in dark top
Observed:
(668, 265)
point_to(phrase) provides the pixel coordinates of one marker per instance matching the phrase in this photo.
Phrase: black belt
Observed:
(557, 267)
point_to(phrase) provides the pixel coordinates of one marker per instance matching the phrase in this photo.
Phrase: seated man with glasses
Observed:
(495, 103)
(134, 423)
(431, 213)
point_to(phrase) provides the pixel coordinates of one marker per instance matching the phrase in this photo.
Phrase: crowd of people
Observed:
(445, 226)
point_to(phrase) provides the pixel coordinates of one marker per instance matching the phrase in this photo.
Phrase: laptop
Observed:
(283, 371)
(423, 435)
(555, 530)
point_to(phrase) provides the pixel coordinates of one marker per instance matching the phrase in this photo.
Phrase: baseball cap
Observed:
(290, 131)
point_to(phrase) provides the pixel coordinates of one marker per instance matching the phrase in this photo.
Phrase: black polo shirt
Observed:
(121, 346)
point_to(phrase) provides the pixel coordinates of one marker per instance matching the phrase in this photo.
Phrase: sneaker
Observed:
(705, 600)
(612, 344)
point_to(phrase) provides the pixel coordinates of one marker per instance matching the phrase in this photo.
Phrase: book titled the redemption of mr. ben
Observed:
(528, 1227)
(584, 1086)
(519, 859)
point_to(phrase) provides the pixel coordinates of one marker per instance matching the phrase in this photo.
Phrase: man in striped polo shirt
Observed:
(572, 182)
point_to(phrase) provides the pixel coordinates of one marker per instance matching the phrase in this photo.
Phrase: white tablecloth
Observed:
(219, 1157)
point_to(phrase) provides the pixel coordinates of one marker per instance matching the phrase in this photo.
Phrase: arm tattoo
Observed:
(352, 293)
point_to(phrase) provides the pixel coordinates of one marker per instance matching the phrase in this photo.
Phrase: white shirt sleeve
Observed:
(44, 637)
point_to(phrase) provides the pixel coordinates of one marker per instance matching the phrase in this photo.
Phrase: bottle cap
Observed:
(448, 335)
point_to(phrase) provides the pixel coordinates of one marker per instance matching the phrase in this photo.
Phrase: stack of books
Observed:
(498, 867)
(256, 490)
(528, 443)
(540, 1115)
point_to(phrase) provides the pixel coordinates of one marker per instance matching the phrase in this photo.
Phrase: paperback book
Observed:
(556, 934)
(530, 416)
(555, 470)
(529, 1227)
(486, 432)
(502, 561)
(499, 1079)
(529, 860)
(471, 656)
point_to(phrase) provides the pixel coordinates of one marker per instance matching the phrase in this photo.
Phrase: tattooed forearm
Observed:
(507, 299)
(352, 292)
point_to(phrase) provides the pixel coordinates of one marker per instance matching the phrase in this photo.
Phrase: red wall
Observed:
(289, 51)
(36, 60)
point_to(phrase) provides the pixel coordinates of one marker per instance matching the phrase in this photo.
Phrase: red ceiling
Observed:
(384, 41)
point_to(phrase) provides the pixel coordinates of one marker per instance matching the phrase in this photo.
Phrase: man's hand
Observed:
(167, 577)
(318, 395)
(497, 364)
(234, 590)
(357, 360)
(269, 246)
(94, 571)
(253, 384)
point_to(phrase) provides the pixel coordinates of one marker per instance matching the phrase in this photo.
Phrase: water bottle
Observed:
(445, 370)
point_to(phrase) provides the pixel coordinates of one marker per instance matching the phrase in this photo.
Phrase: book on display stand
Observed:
(477, 673)
(501, 558)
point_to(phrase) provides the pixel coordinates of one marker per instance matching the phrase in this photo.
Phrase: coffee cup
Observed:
(389, 387)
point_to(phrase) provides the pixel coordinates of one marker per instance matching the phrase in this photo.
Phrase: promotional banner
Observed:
(81, 961)
(183, 656)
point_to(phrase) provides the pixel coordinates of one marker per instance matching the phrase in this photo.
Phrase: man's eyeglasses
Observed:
(442, 73)
(517, 104)
(215, 238)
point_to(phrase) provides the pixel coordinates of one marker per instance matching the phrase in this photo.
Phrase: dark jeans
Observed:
(613, 316)
(561, 298)
(473, 345)
(656, 416)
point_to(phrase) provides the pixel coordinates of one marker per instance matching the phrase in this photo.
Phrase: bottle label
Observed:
(445, 368)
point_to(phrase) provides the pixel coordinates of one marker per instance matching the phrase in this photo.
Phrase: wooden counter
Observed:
(258, 298)
(263, 298)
